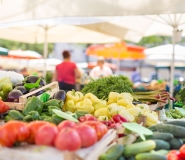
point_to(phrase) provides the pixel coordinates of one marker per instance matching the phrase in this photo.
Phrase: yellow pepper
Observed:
(127, 115)
(124, 102)
(100, 104)
(125, 95)
(70, 106)
(81, 96)
(92, 97)
(72, 95)
(151, 119)
(101, 112)
(135, 111)
(85, 105)
(130, 106)
(103, 118)
(113, 97)
(114, 109)
(144, 107)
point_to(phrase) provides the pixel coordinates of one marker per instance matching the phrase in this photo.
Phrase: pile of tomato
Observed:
(67, 135)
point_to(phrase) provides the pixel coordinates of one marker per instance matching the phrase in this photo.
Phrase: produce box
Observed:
(51, 89)
(33, 152)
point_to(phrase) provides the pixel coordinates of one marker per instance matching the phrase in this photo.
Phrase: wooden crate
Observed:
(52, 88)
(33, 152)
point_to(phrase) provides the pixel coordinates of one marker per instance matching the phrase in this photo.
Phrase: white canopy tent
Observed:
(21, 10)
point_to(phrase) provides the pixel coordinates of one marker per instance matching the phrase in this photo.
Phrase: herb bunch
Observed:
(103, 86)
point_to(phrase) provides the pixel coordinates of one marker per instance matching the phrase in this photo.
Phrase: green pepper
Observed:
(8, 118)
(33, 115)
(52, 102)
(42, 117)
(45, 114)
(48, 119)
(175, 116)
(56, 119)
(15, 115)
(33, 104)
(52, 107)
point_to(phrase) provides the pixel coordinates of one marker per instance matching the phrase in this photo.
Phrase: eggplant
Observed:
(60, 95)
(38, 93)
(14, 95)
(33, 79)
(22, 89)
(19, 84)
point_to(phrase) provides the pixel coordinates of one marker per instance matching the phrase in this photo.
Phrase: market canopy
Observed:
(24, 54)
(117, 51)
(21, 10)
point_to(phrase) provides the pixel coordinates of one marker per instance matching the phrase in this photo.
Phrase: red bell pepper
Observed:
(3, 107)
(182, 151)
(119, 119)
(174, 155)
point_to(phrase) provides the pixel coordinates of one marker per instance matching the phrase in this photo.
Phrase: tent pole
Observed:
(45, 50)
(172, 64)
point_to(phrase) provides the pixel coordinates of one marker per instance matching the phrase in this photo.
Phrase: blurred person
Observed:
(135, 76)
(100, 70)
(66, 73)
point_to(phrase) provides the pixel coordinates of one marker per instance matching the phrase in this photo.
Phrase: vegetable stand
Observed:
(51, 89)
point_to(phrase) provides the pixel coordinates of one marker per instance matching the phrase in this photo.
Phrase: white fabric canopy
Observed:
(164, 53)
(19, 10)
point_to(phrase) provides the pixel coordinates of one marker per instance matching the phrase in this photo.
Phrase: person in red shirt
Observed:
(66, 73)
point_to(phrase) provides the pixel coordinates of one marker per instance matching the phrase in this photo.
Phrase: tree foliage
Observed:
(12, 45)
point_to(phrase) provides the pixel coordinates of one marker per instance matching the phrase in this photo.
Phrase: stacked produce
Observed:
(67, 135)
(161, 144)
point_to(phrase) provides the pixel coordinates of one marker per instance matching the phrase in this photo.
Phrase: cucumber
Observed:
(183, 140)
(113, 153)
(162, 136)
(162, 152)
(176, 123)
(121, 158)
(152, 128)
(177, 131)
(175, 143)
(135, 148)
(146, 136)
(160, 144)
(150, 156)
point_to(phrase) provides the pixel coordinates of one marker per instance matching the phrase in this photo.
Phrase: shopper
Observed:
(66, 73)
(101, 70)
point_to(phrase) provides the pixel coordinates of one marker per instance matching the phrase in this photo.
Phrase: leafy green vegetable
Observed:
(181, 95)
(134, 127)
(103, 86)
(64, 115)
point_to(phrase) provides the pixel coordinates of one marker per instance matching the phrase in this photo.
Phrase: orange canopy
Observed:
(117, 51)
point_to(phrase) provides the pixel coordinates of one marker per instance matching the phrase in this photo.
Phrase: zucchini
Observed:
(152, 128)
(150, 156)
(177, 131)
(175, 143)
(176, 123)
(113, 153)
(135, 148)
(121, 158)
(162, 136)
(160, 144)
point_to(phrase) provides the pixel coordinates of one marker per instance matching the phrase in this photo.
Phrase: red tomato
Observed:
(68, 139)
(65, 124)
(182, 151)
(101, 129)
(34, 127)
(19, 128)
(3, 107)
(87, 134)
(46, 135)
(7, 138)
(173, 155)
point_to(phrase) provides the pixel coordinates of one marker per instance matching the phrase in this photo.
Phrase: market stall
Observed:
(119, 122)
